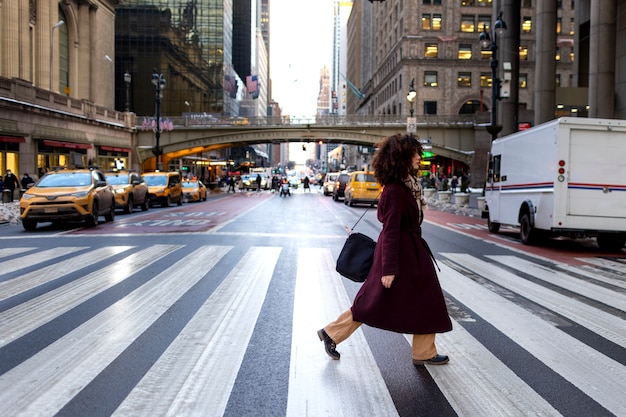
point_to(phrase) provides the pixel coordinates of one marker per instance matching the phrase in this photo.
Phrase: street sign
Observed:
(411, 124)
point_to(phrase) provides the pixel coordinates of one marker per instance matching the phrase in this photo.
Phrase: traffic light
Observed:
(427, 154)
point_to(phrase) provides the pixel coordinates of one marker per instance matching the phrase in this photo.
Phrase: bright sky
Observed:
(301, 44)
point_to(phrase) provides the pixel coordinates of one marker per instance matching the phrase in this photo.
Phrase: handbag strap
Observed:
(365, 211)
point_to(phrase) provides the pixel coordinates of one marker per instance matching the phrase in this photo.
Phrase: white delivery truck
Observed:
(565, 177)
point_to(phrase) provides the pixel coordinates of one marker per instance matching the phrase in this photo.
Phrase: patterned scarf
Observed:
(416, 189)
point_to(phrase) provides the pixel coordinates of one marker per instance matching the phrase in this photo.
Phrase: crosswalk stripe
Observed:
(41, 276)
(21, 262)
(44, 383)
(319, 386)
(598, 376)
(210, 348)
(476, 383)
(596, 320)
(21, 319)
(587, 289)
(14, 251)
(618, 269)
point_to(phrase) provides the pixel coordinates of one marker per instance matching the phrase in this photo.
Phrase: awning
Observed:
(12, 139)
(70, 145)
(115, 149)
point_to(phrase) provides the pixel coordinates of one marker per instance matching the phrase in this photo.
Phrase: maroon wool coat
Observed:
(414, 304)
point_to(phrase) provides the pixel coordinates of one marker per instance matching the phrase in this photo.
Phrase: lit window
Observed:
(527, 24)
(485, 79)
(484, 22)
(464, 79)
(558, 54)
(465, 51)
(467, 23)
(430, 79)
(426, 23)
(437, 22)
(523, 81)
(523, 53)
(559, 25)
(432, 50)
(571, 54)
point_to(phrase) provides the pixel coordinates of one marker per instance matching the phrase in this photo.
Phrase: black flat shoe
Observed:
(437, 360)
(329, 344)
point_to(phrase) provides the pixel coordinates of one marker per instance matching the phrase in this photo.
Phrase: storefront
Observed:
(113, 157)
(9, 153)
(54, 153)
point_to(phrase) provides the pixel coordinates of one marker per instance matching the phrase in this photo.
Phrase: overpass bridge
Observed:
(451, 136)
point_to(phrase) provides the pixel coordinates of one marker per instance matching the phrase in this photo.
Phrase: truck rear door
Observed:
(596, 173)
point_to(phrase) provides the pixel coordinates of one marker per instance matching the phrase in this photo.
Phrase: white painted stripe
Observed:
(618, 268)
(598, 376)
(19, 262)
(318, 385)
(37, 311)
(201, 365)
(606, 325)
(50, 273)
(43, 384)
(13, 251)
(476, 383)
(604, 295)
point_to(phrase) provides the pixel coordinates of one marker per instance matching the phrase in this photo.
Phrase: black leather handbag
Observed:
(356, 257)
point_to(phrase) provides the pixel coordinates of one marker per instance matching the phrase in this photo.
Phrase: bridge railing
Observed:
(203, 120)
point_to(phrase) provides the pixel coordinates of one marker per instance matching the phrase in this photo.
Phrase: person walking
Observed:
(402, 292)
(307, 183)
(26, 181)
(258, 182)
(231, 184)
(11, 182)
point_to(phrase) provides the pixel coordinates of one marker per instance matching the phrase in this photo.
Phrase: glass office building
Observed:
(189, 42)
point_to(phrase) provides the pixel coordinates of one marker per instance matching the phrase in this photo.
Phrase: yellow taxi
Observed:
(164, 188)
(194, 191)
(130, 190)
(68, 195)
(361, 188)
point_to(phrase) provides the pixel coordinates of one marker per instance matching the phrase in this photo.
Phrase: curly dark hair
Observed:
(393, 160)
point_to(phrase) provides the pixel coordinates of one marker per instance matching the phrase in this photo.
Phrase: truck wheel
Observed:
(527, 233)
(612, 242)
(493, 226)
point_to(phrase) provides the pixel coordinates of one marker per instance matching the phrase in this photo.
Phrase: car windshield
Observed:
(66, 179)
(190, 184)
(117, 179)
(153, 180)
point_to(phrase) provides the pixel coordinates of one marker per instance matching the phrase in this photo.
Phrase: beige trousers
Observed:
(340, 329)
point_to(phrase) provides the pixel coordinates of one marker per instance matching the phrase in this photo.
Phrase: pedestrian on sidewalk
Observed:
(402, 292)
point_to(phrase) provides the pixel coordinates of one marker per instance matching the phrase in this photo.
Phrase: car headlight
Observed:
(80, 194)
(28, 196)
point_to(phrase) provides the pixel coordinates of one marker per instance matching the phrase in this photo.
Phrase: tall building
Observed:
(339, 83)
(190, 43)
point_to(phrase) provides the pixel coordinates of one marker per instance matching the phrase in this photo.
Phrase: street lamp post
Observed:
(56, 25)
(411, 123)
(491, 42)
(159, 83)
(127, 79)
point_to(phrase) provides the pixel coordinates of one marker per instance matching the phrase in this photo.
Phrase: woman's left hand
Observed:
(387, 280)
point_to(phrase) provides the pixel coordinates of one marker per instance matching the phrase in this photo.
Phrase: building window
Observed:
(465, 51)
(484, 22)
(437, 21)
(430, 79)
(432, 50)
(559, 25)
(467, 23)
(464, 79)
(472, 3)
(523, 52)
(558, 54)
(430, 107)
(571, 54)
(572, 26)
(485, 79)
(527, 24)
(523, 80)
(426, 22)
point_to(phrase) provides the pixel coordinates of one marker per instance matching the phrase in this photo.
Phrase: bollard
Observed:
(6, 196)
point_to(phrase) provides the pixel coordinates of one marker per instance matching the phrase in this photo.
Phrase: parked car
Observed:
(164, 188)
(194, 191)
(340, 186)
(68, 195)
(130, 190)
(362, 188)
(329, 182)
(251, 184)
